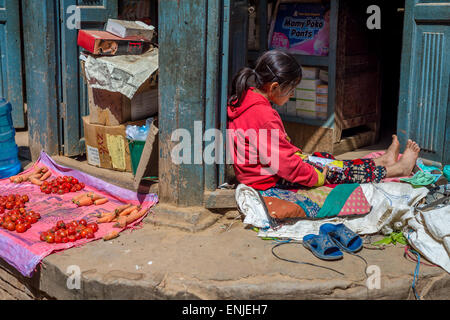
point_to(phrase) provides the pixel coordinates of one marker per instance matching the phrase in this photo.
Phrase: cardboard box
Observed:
(123, 28)
(305, 94)
(113, 108)
(308, 84)
(308, 105)
(310, 73)
(105, 43)
(107, 146)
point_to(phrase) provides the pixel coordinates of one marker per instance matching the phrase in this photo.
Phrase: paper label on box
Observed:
(116, 148)
(93, 156)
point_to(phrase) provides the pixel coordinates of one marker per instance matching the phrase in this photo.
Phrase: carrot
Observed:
(44, 169)
(78, 197)
(95, 196)
(46, 176)
(121, 208)
(107, 218)
(35, 176)
(36, 181)
(128, 211)
(113, 234)
(100, 201)
(84, 202)
(136, 215)
(121, 222)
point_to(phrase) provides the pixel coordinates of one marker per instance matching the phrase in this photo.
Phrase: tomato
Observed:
(93, 226)
(43, 236)
(25, 198)
(37, 215)
(54, 190)
(21, 228)
(20, 221)
(63, 233)
(11, 198)
(82, 222)
(74, 181)
(60, 191)
(71, 231)
(82, 185)
(90, 235)
(29, 219)
(14, 217)
(9, 205)
(73, 224)
(89, 229)
(50, 238)
(11, 226)
(60, 224)
(73, 189)
(72, 238)
(83, 233)
(79, 228)
(48, 191)
(78, 236)
(77, 186)
(58, 239)
(52, 230)
(28, 225)
(65, 239)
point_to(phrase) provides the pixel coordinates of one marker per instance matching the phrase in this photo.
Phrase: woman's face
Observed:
(280, 96)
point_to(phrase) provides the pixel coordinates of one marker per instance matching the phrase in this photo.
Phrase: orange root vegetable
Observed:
(113, 234)
(44, 169)
(107, 218)
(136, 215)
(83, 202)
(36, 181)
(121, 208)
(100, 201)
(121, 222)
(128, 211)
(45, 176)
(94, 196)
(78, 197)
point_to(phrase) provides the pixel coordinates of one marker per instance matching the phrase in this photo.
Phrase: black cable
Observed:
(299, 262)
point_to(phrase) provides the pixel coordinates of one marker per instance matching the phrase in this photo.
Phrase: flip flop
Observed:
(344, 238)
(322, 247)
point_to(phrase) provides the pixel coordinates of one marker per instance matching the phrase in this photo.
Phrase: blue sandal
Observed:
(345, 238)
(322, 246)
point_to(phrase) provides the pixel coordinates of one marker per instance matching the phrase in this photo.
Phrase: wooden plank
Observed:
(11, 61)
(359, 121)
(354, 142)
(182, 40)
(219, 199)
(310, 138)
(40, 63)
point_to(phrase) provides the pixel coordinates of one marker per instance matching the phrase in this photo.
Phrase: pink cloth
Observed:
(24, 251)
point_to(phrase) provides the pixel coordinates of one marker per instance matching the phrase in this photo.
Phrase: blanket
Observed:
(24, 251)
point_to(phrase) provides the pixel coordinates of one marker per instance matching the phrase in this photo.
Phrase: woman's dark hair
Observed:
(272, 66)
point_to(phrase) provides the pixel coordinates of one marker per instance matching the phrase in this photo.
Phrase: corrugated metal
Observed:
(429, 94)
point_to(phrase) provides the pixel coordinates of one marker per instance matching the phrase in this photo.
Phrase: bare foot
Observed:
(391, 155)
(389, 158)
(407, 162)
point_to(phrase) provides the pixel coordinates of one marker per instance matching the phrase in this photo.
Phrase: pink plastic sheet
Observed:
(25, 251)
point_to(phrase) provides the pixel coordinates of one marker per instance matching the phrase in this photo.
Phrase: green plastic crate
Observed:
(136, 148)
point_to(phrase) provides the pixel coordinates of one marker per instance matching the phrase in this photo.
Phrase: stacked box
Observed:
(310, 73)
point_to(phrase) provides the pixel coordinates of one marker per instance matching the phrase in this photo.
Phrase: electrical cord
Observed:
(300, 262)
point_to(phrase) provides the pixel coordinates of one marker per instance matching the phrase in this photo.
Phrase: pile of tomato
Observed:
(17, 218)
(12, 201)
(64, 232)
(62, 185)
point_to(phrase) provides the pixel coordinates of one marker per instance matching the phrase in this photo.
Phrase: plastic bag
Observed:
(138, 133)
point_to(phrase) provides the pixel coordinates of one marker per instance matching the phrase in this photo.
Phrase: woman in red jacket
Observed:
(263, 156)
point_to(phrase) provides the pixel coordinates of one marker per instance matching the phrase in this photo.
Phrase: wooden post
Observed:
(182, 41)
(41, 75)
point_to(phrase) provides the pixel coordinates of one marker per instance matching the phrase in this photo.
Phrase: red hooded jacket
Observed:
(253, 126)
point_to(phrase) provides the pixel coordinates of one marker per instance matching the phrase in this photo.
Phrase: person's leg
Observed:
(406, 163)
(389, 158)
